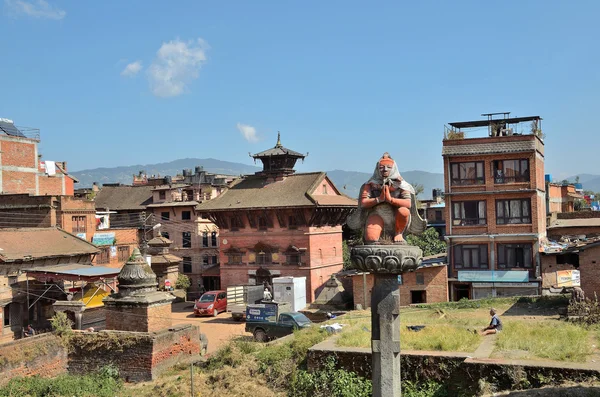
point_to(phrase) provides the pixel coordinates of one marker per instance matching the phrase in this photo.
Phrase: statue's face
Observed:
(385, 168)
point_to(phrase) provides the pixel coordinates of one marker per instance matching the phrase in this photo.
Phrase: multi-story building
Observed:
(21, 167)
(194, 238)
(495, 206)
(279, 223)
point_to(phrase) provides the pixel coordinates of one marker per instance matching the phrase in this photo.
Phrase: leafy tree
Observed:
(419, 188)
(183, 282)
(429, 242)
(346, 255)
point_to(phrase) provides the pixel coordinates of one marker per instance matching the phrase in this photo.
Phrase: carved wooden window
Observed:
(103, 256)
(79, 224)
(234, 257)
(213, 239)
(204, 239)
(123, 253)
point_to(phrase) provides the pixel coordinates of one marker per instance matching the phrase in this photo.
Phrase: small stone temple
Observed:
(138, 306)
(139, 337)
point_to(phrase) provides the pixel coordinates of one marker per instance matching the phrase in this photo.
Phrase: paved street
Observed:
(218, 329)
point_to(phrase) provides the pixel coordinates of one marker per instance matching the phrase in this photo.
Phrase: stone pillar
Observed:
(385, 336)
(386, 262)
(78, 318)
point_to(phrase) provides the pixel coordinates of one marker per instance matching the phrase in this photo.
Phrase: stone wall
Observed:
(456, 370)
(140, 356)
(42, 355)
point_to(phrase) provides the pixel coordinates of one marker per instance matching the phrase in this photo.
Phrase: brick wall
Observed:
(138, 319)
(42, 355)
(549, 267)
(435, 285)
(589, 260)
(140, 356)
(18, 182)
(19, 153)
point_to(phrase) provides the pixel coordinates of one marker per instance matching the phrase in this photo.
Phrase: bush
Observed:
(329, 382)
(61, 324)
(100, 384)
(183, 282)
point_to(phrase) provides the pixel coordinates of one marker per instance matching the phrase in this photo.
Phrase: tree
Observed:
(429, 242)
(183, 282)
(418, 189)
(346, 255)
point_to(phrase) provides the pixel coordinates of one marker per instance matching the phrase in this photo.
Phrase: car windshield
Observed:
(300, 318)
(207, 298)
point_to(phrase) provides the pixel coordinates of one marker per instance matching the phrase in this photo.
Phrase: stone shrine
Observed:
(138, 306)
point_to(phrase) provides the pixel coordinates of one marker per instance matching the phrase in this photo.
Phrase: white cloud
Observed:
(248, 132)
(35, 9)
(177, 64)
(132, 69)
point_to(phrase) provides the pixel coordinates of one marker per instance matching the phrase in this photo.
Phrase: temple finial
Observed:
(278, 139)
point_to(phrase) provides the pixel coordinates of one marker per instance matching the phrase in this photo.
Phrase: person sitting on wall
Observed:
(29, 331)
(495, 324)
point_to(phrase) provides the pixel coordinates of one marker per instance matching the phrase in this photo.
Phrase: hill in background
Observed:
(349, 182)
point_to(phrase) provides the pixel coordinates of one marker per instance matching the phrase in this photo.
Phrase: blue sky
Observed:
(134, 82)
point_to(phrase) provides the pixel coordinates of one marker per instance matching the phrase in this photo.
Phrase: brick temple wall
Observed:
(140, 356)
(42, 355)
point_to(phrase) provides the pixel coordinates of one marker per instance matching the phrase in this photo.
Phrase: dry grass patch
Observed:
(545, 340)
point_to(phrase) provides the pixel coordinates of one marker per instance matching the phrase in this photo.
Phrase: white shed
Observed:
(291, 290)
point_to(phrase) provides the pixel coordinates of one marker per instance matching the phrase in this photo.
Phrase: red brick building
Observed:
(279, 223)
(495, 207)
(21, 168)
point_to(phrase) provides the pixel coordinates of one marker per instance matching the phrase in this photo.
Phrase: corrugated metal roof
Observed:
(76, 269)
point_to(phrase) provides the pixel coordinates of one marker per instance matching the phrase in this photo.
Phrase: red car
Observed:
(211, 303)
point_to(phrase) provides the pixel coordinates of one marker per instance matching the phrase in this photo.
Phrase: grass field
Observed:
(531, 329)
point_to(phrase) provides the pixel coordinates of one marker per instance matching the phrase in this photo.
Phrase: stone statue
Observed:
(386, 206)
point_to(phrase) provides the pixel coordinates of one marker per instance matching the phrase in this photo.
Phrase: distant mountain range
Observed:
(589, 181)
(349, 182)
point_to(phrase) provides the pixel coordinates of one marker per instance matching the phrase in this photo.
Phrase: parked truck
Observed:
(271, 320)
(239, 296)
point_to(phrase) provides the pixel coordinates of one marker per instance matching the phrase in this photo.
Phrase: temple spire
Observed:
(278, 139)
